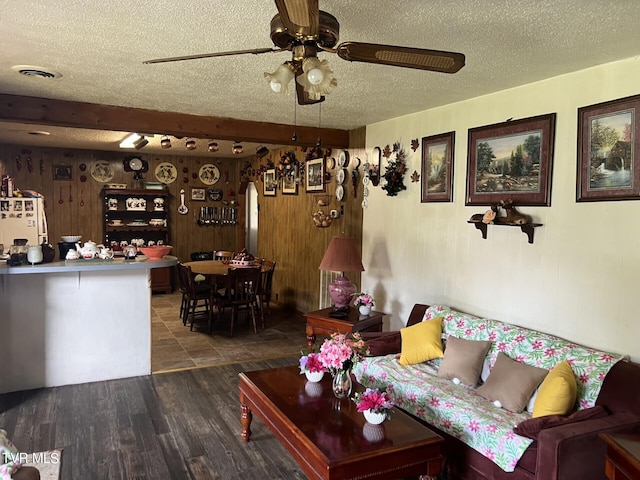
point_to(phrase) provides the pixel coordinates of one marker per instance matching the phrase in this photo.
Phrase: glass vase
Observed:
(342, 384)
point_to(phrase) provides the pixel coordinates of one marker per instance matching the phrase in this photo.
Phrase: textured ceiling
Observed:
(99, 47)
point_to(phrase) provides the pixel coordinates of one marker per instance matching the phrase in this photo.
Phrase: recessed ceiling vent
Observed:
(33, 71)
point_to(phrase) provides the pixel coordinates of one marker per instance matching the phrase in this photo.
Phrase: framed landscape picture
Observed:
(314, 175)
(270, 183)
(608, 139)
(290, 181)
(511, 161)
(437, 168)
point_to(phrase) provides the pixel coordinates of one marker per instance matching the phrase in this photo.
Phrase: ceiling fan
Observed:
(300, 27)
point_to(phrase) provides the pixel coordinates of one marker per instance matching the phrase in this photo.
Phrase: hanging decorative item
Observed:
(415, 143)
(287, 161)
(415, 176)
(395, 170)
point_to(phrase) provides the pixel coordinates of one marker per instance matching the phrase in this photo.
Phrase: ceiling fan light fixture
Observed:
(237, 148)
(280, 79)
(213, 146)
(190, 144)
(165, 142)
(317, 78)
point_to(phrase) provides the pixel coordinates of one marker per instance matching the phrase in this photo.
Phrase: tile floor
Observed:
(174, 347)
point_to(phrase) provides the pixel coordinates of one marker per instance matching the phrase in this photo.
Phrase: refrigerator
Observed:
(22, 217)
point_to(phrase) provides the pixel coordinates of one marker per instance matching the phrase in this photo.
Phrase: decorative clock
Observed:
(136, 165)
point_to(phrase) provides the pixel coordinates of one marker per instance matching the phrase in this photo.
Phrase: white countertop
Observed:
(89, 265)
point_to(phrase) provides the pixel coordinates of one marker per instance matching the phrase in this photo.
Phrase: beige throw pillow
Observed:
(463, 360)
(511, 383)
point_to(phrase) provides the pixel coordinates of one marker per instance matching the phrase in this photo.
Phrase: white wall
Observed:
(580, 279)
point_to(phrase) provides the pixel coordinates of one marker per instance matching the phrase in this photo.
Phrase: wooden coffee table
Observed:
(328, 437)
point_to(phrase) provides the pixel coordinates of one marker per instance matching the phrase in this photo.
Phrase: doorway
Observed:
(252, 208)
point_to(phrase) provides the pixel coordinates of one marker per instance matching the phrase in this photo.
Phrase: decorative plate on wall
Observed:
(209, 174)
(166, 173)
(102, 172)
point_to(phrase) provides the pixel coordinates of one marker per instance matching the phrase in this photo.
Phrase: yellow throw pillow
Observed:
(421, 342)
(557, 394)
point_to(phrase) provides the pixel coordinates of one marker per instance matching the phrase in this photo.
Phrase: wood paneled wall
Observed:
(288, 235)
(286, 231)
(63, 199)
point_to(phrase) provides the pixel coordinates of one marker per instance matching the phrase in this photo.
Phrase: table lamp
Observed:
(342, 255)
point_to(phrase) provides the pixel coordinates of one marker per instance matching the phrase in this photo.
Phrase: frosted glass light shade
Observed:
(280, 79)
(316, 70)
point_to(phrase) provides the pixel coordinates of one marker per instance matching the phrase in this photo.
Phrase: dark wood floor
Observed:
(176, 425)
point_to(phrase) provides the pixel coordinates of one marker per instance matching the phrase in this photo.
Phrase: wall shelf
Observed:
(527, 229)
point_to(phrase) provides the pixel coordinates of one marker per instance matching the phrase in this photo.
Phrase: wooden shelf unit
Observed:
(160, 277)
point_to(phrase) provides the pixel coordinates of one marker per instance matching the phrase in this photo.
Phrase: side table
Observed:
(622, 461)
(320, 322)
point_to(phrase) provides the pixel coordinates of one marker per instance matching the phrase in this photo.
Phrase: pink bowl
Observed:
(156, 252)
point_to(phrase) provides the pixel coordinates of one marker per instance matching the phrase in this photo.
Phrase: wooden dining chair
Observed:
(223, 255)
(268, 267)
(240, 292)
(198, 299)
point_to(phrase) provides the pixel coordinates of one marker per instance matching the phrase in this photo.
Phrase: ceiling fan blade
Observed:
(254, 51)
(419, 58)
(303, 97)
(300, 17)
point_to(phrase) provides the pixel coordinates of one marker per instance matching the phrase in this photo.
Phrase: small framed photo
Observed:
(607, 144)
(62, 172)
(437, 168)
(198, 194)
(270, 183)
(511, 160)
(314, 175)
(290, 181)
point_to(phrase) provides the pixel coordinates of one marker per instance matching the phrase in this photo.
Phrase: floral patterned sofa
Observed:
(480, 437)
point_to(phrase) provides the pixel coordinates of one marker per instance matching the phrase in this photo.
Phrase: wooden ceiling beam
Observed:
(46, 111)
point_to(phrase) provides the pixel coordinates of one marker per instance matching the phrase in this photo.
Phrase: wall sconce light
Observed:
(213, 146)
(165, 142)
(190, 144)
(139, 143)
(237, 148)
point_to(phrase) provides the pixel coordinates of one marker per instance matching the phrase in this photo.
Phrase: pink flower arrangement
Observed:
(374, 400)
(364, 300)
(311, 363)
(342, 351)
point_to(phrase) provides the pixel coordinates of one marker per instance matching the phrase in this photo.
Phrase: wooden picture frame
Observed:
(270, 183)
(511, 160)
(290, 181)
(198, 194)
(314, 175)
(608, 139)
(62, 172)
(437, 168)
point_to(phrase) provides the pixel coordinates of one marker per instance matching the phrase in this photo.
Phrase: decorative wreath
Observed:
(395, 170)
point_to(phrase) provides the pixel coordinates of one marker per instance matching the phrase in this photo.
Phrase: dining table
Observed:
(213, 267)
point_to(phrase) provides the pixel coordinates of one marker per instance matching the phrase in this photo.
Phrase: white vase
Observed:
(364, 310)
(374, 418)
(313, 376)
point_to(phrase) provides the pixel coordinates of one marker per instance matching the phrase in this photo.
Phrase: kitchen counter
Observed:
(141, 262)
(75, 321)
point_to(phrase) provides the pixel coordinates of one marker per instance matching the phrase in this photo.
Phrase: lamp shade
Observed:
(342, 255)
